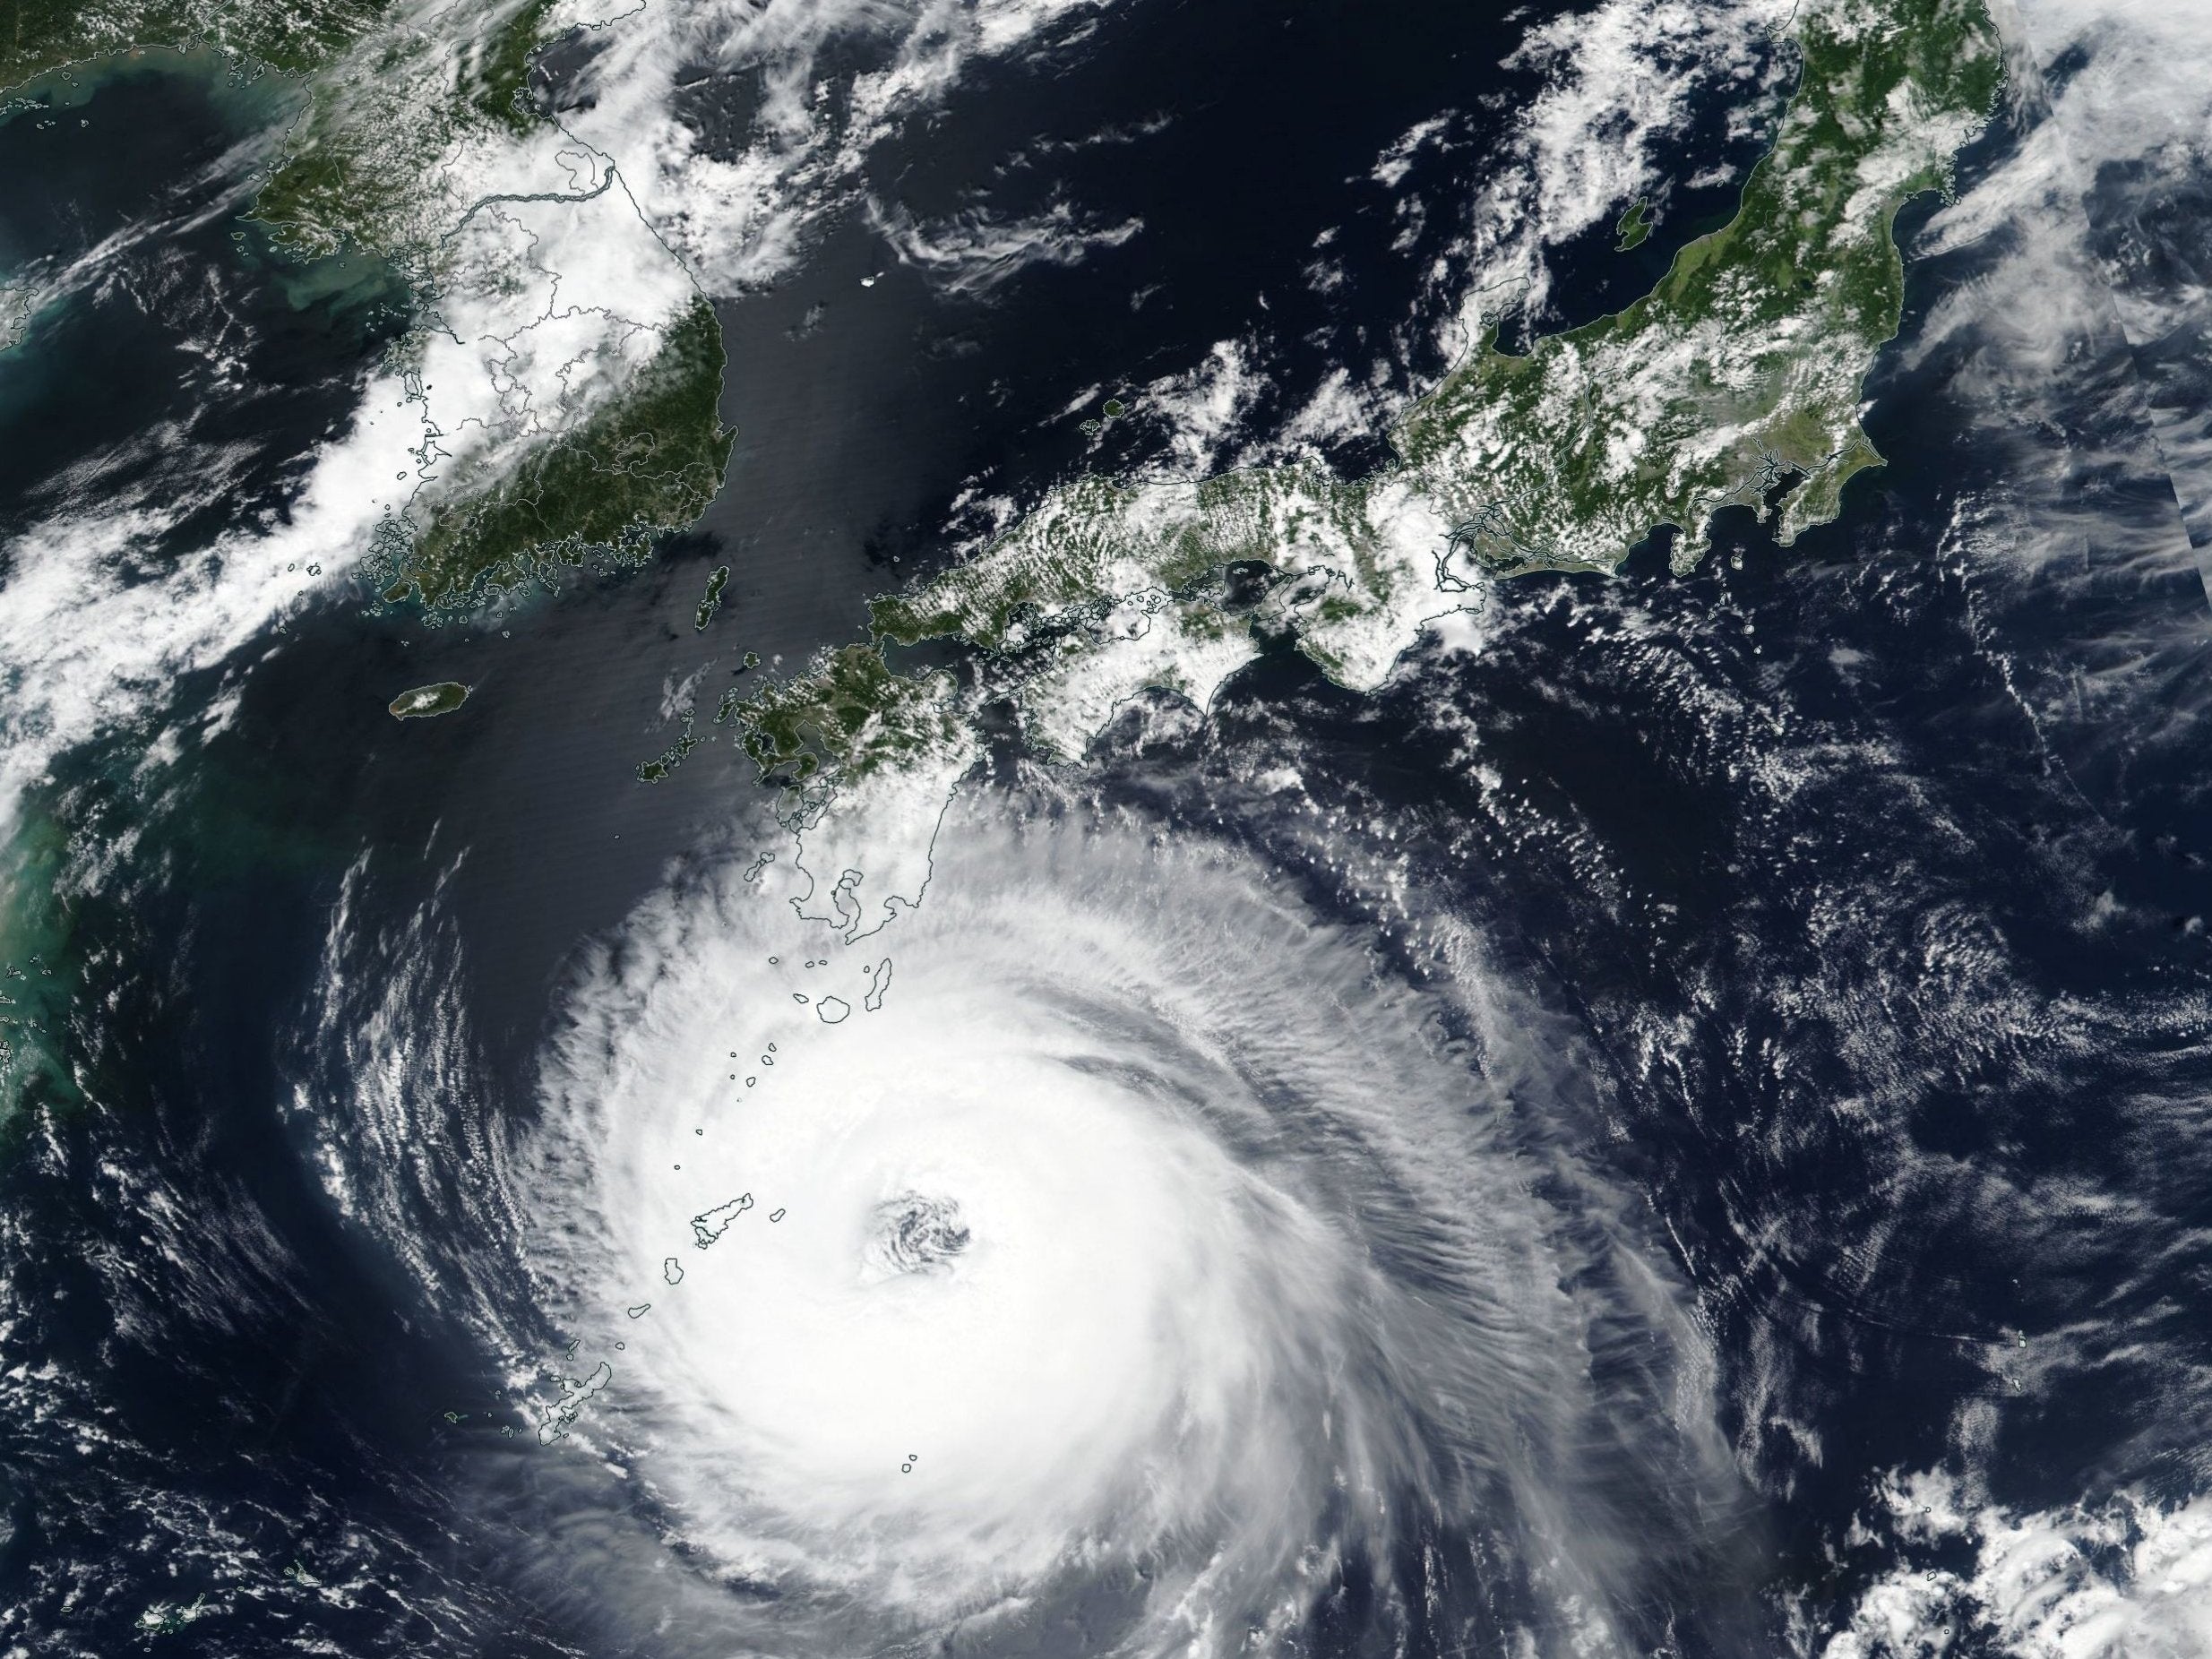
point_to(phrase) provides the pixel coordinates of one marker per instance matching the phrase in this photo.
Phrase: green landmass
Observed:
(332, 191)
(360, 168)
(850, 713)
(655, 769)
(717, 580)
(650, 460)
(1635, 226)
(727, 710)
(426, 701)
(334, 184)
(1737, 380)
(386, 95)
(1743, 371)
(502, 70)
(1110, 411)
(1083, 538)
(389, 95)
(166, 1619)
(38, 37)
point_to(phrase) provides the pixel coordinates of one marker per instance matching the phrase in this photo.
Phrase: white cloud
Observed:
(1395, 162)
(973, 252)
(740, 213)
(1619, 81)
(2127, 1580)
(95, 626)
(1205, 407)
(2130, 127)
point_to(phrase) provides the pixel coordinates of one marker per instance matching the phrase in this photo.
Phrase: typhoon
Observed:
(1112, 1249)
(852, 828)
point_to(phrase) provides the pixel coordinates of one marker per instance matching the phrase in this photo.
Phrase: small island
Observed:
(426, 701)
(715, 581)
(1635, 226)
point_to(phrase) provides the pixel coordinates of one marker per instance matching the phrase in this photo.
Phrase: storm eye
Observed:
(914, 1234)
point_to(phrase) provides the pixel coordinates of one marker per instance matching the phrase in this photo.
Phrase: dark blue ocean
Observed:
(1862, 882)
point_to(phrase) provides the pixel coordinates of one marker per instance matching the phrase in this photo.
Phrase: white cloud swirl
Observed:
(1143, 1246)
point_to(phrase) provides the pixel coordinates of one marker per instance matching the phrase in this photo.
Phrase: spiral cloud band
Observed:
(1109, 1241)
